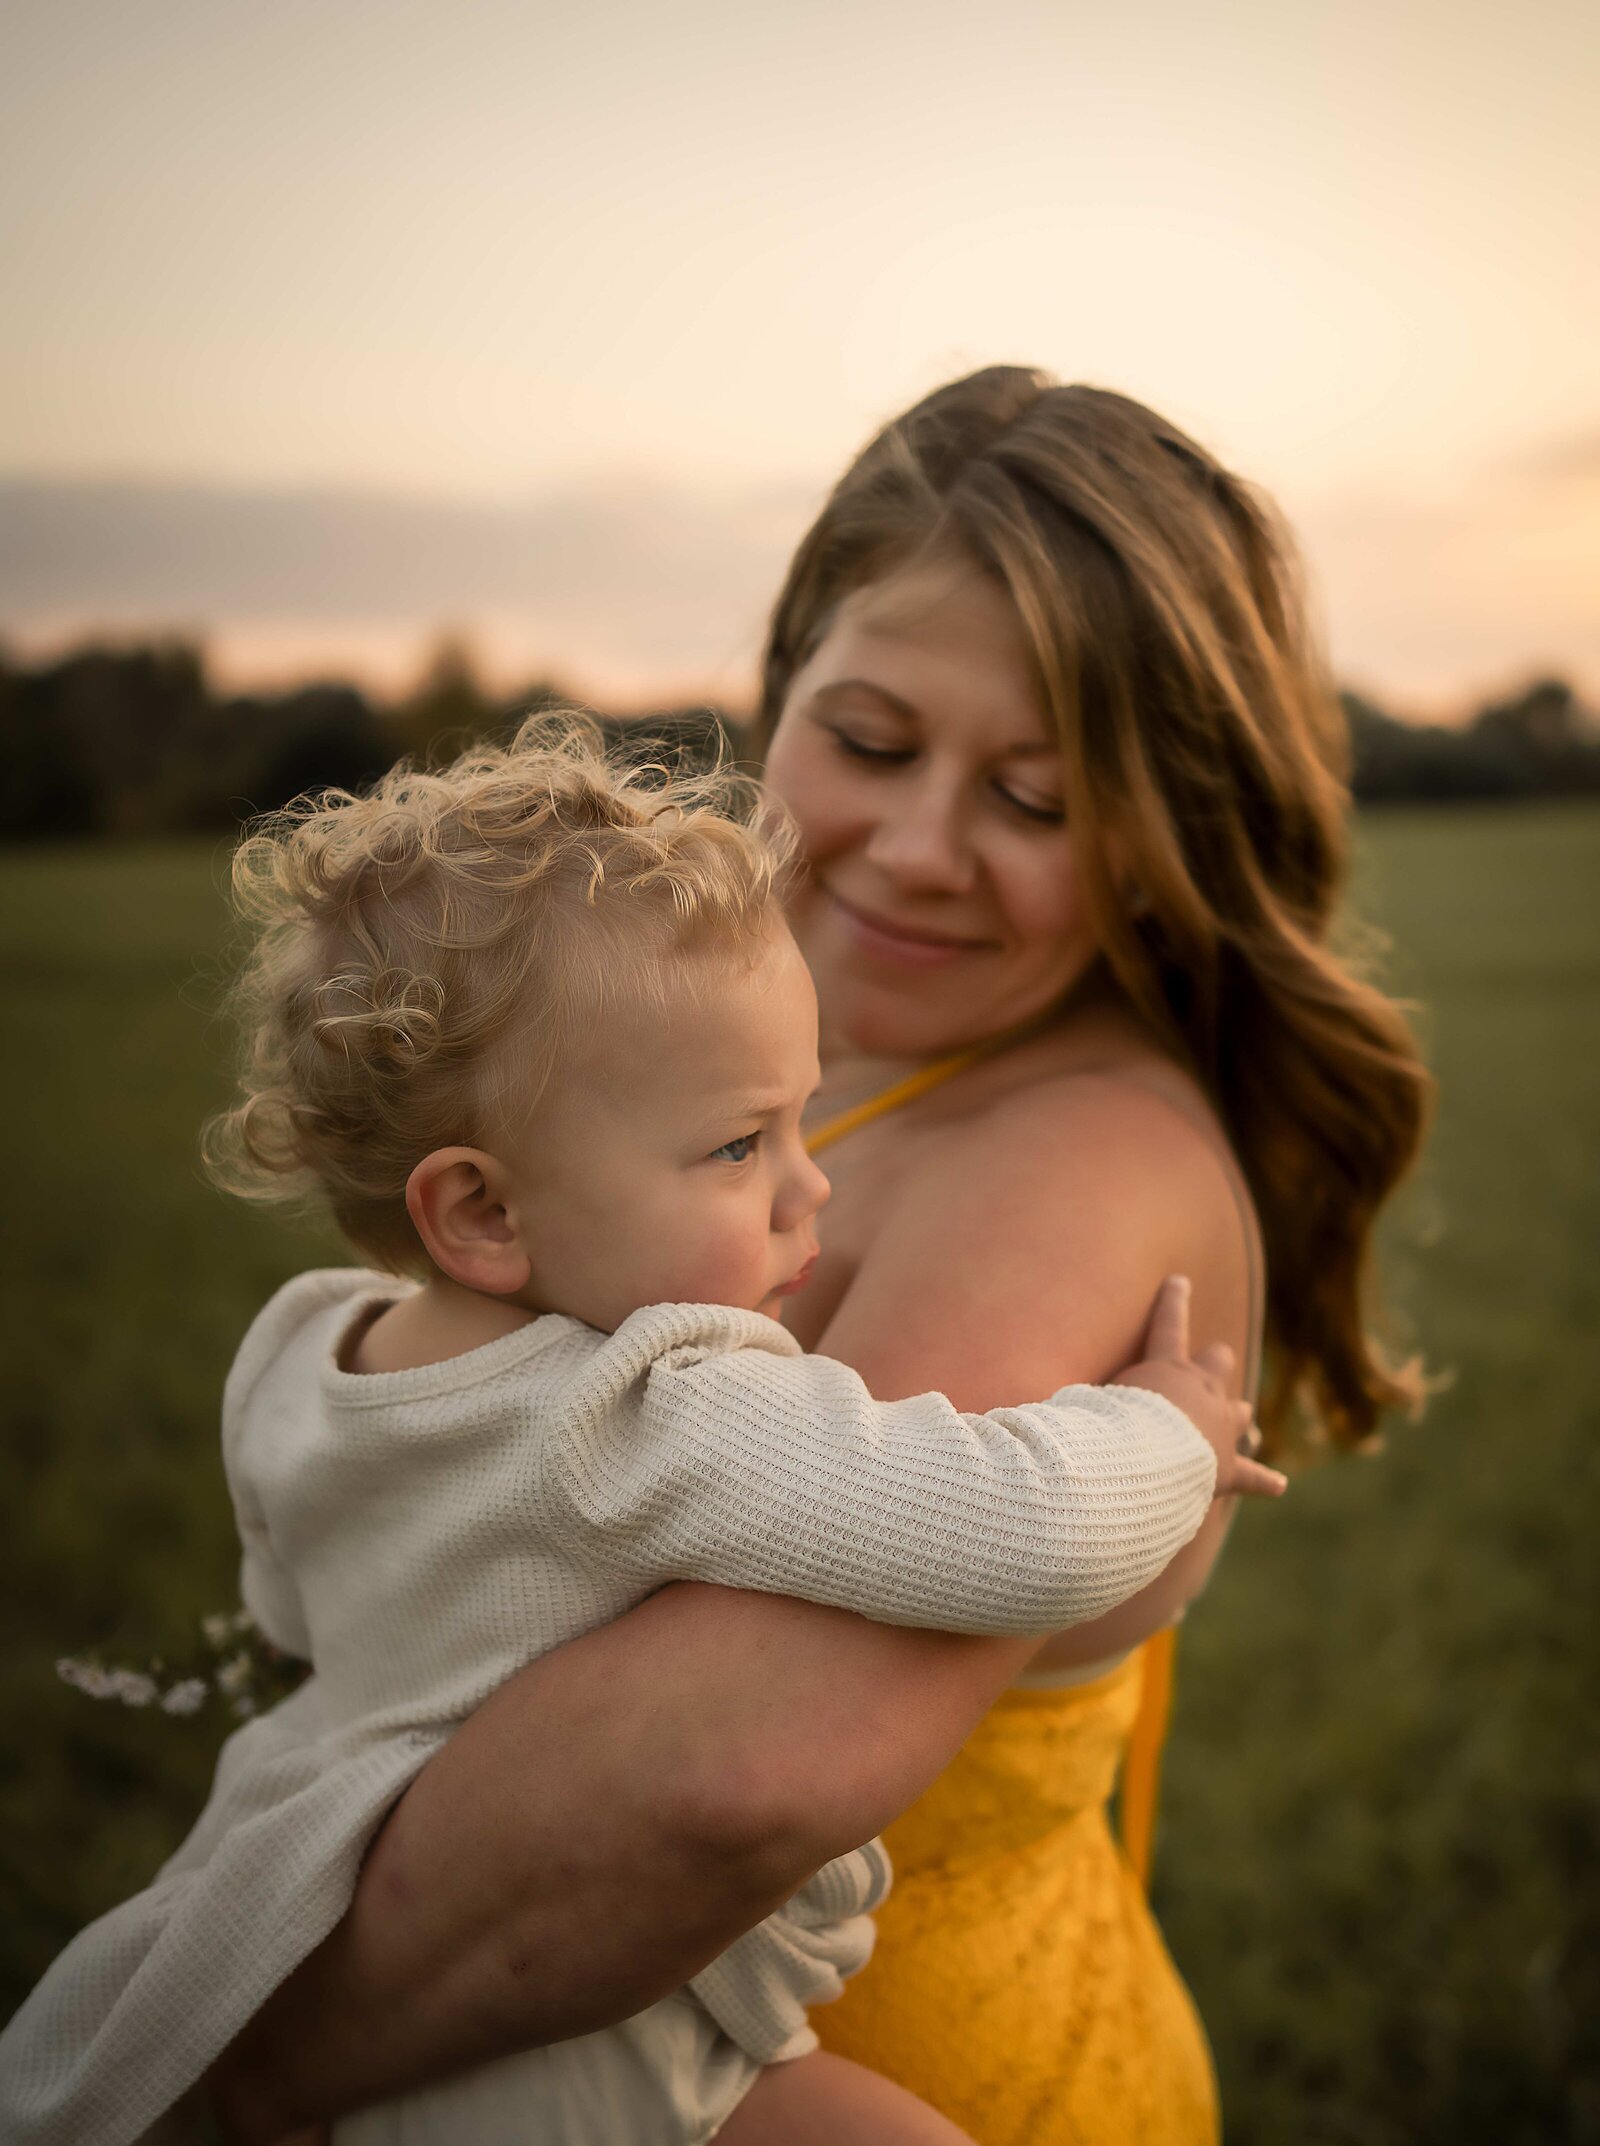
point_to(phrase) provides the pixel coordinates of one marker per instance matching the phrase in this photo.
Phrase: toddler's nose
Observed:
(819, 1188)
(806, 1192)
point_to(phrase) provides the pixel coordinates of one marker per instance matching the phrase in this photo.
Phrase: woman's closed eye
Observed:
(739, 1150)
(1043, 811)
(864, 749)
(1047, 812)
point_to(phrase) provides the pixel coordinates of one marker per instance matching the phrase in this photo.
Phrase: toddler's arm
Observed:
(266, 1586)
(782, 1473)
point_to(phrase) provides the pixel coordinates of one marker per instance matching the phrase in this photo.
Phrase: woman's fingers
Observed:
(1167, 1336)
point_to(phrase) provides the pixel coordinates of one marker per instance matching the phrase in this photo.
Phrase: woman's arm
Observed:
(626, 1806)
(607, 1823)
(1071, 1200)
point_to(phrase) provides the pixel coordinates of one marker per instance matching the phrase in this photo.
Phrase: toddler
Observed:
(536, 1033)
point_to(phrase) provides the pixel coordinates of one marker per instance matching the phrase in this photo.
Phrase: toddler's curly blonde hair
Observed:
(421, 956)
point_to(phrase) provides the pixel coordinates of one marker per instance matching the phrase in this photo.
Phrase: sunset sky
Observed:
(332, 323)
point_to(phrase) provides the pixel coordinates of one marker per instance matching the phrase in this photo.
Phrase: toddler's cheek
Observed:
(726, 1277)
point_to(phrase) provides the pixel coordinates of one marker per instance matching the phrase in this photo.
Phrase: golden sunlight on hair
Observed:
(421, 956)
(1202, 744)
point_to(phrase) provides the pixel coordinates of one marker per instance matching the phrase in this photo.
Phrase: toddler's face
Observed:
(667, 1165)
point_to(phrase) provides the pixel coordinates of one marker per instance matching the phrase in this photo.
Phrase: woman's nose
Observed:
(919, 842)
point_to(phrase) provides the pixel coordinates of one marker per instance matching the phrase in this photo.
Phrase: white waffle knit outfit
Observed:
(420, 1535)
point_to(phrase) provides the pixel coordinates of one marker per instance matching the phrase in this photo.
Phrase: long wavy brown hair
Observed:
(1204, 750)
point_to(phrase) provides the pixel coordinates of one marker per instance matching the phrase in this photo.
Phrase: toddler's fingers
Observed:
(1253, 1479)
(1216, 1361)
(1167, 1336)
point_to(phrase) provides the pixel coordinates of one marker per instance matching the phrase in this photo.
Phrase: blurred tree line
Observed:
(128, 741)
(1542, 742)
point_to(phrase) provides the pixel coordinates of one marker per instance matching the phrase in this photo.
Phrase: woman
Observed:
(1068, 779)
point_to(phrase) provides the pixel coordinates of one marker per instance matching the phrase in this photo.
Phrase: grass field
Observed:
(1382, 1821)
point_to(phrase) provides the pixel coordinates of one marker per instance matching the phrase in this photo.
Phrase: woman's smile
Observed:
(942, 903)
(890, 939)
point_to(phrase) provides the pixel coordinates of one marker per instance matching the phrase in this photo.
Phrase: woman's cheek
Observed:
(1044, 898)
(802, 777)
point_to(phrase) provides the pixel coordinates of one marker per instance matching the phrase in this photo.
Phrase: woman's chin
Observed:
(874, 1027)
(867, 1021)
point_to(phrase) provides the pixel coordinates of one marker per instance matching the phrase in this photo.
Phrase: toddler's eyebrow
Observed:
(740, 1109)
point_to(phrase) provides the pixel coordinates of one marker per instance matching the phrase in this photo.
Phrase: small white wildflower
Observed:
(244, 1708)
(234, 1676)
(218, 1629)
(185, 1698)
(132, 1687)
(86, 1677)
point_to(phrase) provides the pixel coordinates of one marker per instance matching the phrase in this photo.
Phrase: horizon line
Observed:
(235, 666)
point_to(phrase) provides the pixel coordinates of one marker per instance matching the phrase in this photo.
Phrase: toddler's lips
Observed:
(797, 1281)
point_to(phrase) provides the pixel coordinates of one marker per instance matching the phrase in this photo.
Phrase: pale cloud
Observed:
(1438, 593)
(628, 589)
(380, 287)
(634, 590)
(1568, 458)
(640, 591)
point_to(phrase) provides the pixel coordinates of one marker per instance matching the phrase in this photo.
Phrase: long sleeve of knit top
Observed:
(421, 1535)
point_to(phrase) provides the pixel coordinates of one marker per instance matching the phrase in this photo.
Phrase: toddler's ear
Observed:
(454, 1199)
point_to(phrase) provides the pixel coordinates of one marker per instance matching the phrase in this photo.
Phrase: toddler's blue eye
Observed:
(739, 1150)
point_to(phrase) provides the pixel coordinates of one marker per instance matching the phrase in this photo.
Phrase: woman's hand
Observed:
(610, 1820)
(626, 1806)
(1199, 1386)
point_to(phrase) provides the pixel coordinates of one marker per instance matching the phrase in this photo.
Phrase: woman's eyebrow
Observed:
(1023, 749)
(840, 686)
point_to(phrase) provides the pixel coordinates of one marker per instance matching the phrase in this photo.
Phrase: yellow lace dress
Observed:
(1019, 1983)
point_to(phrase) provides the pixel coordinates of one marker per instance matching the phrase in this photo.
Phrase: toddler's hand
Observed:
(1199, 1386)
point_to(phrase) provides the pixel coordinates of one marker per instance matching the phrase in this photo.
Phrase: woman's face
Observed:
(941, 903)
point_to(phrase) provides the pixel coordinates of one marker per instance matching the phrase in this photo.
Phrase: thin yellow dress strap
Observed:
(892, 1098)
(1141, 1768)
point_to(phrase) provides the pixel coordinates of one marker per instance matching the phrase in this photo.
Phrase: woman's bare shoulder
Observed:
(1025, 1248)
(1076, 1117)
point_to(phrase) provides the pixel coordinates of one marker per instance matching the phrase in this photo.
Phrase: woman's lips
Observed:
(907, 944)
